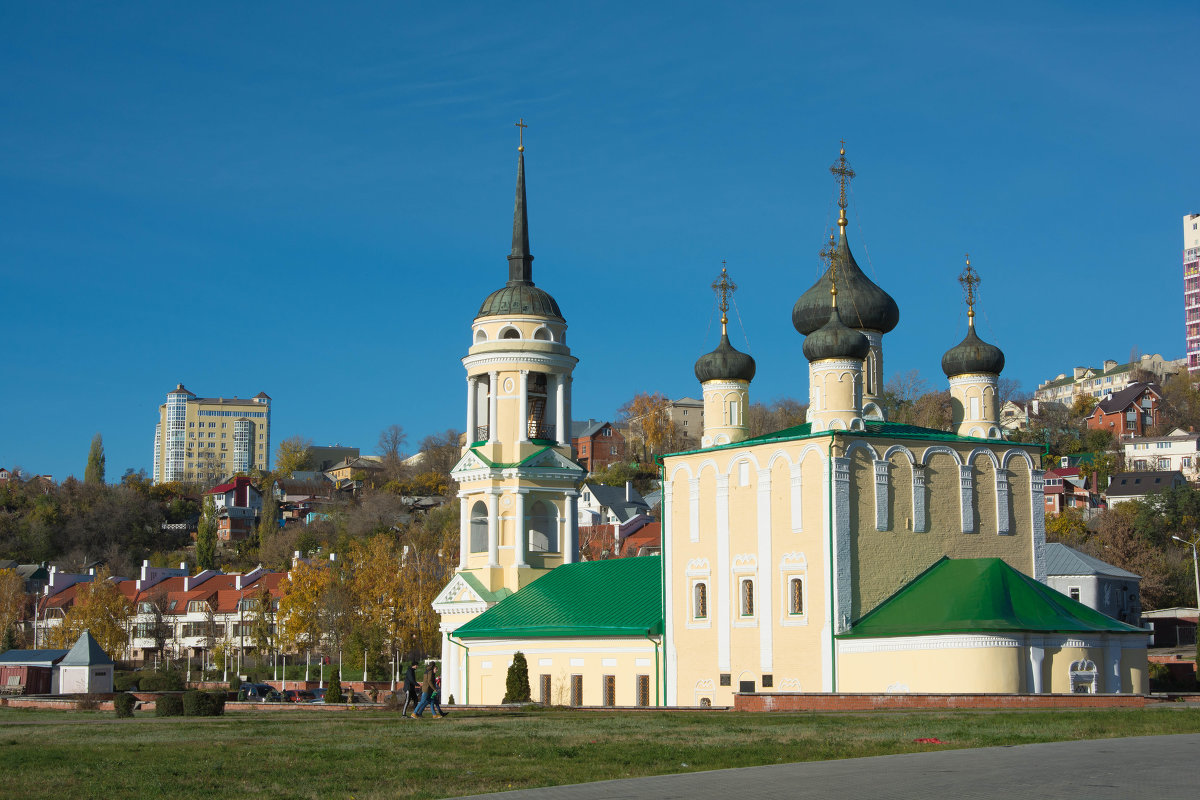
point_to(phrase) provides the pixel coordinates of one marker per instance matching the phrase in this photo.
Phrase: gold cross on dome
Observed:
(723, 287)
(829, 256)
(969, 280)
(521, 124)
(841, 170)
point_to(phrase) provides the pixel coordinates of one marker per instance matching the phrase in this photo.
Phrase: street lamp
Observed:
(1195, 566)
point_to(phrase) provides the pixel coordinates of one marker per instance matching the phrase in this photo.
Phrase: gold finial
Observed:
(829, 256)
(724, 287)
(841, 170)
(521, 124)
(969, 280)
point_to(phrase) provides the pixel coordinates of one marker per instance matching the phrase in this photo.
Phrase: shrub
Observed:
(151, 681)
(123, 703)
(516, 689)
(168, 705)
(392, 702)
(88, 702)
(235, 683)
(450, 700)
(334, 693)
(123, 679)
(203, 704)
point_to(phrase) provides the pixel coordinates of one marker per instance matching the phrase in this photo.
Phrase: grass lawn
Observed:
(368, 755)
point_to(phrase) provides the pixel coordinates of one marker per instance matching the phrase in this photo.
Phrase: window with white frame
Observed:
(795, 597)
(1073, 593)
(700, 600)
(1083, 677)
(746, 598)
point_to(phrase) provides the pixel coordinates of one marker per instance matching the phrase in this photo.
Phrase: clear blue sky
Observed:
(312, 199)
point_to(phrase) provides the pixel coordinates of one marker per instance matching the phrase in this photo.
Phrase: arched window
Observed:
(542, 334)
(747, 597)
(543, 528)
(479, 527)
(510, 333)
(700, 601)
(535, 414)
(480, 336)
(1083, 677)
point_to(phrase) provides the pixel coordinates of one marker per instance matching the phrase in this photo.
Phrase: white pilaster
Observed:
(570, 544)
(1003, 524)
(493, 501)
(841, 543)
(523, 432)
(464, 530)
(766, 580)
(1037, 503)
(966, 499)
(472, 411)
(918, 500)
(1037, 655)
(519, 515)
(723, 577)
(882, 518)
(560, 409)
(1112, 666)
(694, 509)
(797, 495)
(493, 407)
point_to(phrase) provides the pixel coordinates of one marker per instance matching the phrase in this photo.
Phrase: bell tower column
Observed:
(523, 412)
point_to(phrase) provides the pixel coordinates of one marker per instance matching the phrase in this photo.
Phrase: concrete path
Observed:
(1160, 767)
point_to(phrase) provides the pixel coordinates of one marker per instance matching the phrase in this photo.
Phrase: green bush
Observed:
(149, 681)
(203, 704)
(516, 689)
(235, 683)
(168, 705)
(393, 702)
(334, 693)
(124, 703)
(123, 679)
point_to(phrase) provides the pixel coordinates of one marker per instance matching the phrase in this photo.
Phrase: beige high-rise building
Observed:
(209, 438)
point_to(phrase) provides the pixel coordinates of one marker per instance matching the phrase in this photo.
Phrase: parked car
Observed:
(318, 696)
(298, 696)
(259, 693)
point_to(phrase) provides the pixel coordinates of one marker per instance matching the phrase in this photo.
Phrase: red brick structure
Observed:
(597, 445)
(1132, 410)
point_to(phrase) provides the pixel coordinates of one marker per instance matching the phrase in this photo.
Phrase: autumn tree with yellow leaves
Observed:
(100, 609)
(12, 603)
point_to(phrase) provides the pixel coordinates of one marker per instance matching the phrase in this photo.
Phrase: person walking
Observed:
(435, 699)
(410, 688)
(426, 691)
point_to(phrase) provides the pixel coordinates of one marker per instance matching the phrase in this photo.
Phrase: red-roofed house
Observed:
(239, 505)
(1133, 410)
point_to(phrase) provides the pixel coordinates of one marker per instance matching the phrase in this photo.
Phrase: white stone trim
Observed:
(892, 644)
(764, 601)
(882, 482)
(920, 523)
(722, 599)
(966, 500)
(797, 493)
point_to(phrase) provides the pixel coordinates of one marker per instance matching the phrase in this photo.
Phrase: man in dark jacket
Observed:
(410, 688)
(427, 688)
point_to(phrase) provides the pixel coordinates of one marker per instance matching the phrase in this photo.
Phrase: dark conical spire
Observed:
(520, 262)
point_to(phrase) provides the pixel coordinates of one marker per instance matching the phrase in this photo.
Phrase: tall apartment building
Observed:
(210, 438)
(1191, 288)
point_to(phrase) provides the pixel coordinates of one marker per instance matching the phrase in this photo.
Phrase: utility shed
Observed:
(86, 668)
(29, 671)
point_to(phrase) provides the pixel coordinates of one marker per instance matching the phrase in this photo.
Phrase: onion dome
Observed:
(972, 355)
(835, 340)
(863, 304)
(519, 295)
(725, 364)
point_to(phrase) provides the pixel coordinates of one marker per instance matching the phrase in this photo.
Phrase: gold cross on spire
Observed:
(521, 124)
(841, 170)
(969, 280)
(724, 287)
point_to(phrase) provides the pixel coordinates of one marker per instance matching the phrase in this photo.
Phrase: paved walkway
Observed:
(1161, 767)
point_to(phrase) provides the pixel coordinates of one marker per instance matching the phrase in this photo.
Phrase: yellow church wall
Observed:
(943, 670)
(1135, 671)
(1057, 666)
(562, 660)
(884, 561)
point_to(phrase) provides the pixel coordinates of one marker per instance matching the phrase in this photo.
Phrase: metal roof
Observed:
(980, 595)
(1064, 560)
(33, 658)
(619, 597)
(87, 652)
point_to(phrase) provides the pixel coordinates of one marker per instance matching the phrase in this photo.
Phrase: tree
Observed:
(901, 391)
(100, 609)
(378, 591)
(159, 628)
(1068, 527)
(12, 603)
(1180, 406)
(206, 536)
(293, 454)
(648, 419)
(334, 693)
(440, 452)
(391, 446)
(263, 621)
(299, 614)
(268, 522)
(516, 688)
(94, 473)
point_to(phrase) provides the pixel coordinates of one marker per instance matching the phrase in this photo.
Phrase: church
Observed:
(846, 554)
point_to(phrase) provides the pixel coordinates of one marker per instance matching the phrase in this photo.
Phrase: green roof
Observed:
(617, 597)
(980, 595)
(486, 594)
(874, 429)
(529, 458)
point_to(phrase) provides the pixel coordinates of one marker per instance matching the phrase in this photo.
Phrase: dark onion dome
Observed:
(835, 340)
(725, 364)
(519, 299)
(863, 305)
(972, 354)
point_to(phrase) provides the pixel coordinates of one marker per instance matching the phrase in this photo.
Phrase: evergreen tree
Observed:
(95, 463)
(516, 689)
(206, 536)
(334, 693)
(9, 642)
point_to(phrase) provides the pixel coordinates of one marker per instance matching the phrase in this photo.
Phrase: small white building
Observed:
(85, 669)
(1095, 583)
(1178, 450)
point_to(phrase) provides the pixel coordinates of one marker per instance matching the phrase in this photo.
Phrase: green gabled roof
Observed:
(521, 463)
(86, 652)
(618, 597)
(873, 429)
(980, 595)
(486, 594)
